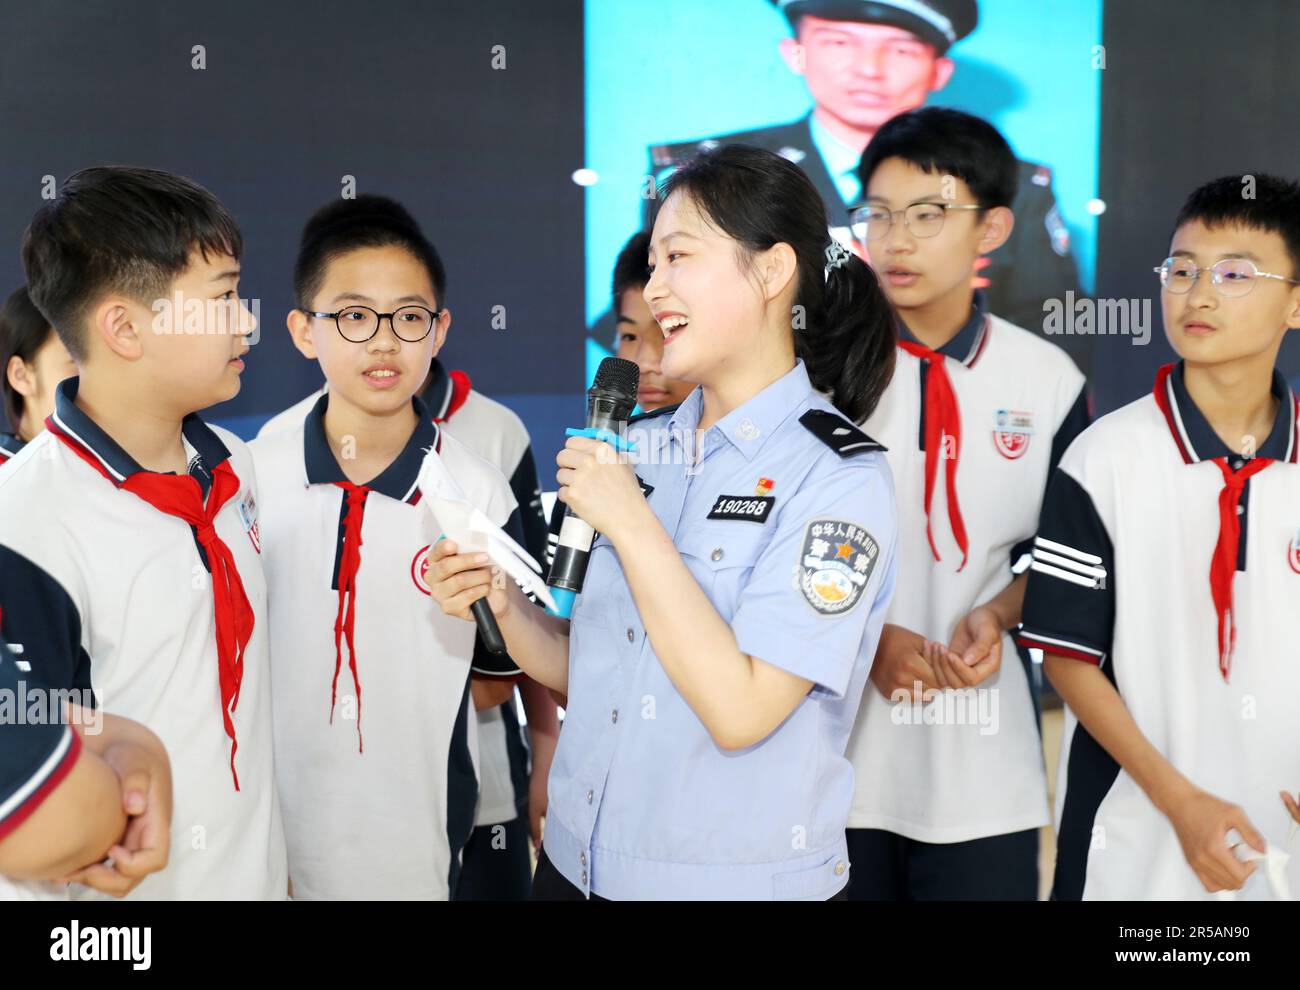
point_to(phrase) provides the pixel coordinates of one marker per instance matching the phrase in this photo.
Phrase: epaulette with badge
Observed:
(838, 433)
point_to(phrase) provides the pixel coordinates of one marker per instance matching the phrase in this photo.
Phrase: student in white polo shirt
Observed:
(1166, 579)
(512, 768)
(374, 727)
(128, 557)
(949, 793)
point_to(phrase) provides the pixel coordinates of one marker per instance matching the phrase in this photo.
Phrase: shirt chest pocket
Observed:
(598, 611)
(722, 555)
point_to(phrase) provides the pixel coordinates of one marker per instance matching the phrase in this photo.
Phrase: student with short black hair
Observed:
(128, 528)
(950, 783)
(1166, 572)
(375, 733)
(513, 764)
(34, 361)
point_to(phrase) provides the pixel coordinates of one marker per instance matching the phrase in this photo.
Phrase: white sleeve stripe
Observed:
(1061, 548)
(1056, 572)
(1068, 643)
(1068, 564)
(16, 800)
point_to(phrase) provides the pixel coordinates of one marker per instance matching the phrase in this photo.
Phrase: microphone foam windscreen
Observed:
(619, 376)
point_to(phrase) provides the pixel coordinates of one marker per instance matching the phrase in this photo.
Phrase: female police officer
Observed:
(716, 657)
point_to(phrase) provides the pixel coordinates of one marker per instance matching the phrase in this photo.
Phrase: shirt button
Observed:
(584, 878)
(631, 636)
(613, 716)
(582, 858)
(590, 795)
(717, 554)
(840, 868)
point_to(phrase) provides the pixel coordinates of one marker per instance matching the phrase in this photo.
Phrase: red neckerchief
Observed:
(942, 418)
(345, 620)
(1223, 564)
(350, 564)
(180, 496)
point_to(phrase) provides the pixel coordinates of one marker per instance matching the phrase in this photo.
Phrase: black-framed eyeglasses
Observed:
(1232, 277)
(359, 323)
(873, 223)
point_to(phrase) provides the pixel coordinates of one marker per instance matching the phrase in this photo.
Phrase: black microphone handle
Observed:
(493, 641)
(606, 411)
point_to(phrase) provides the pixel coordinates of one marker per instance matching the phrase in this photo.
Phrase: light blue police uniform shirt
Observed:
(643, 804)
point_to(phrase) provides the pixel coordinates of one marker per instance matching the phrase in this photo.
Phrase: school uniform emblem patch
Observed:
(1293, 552)
(835, 564)
(1012, 429)
(247, 507)
(420, 569)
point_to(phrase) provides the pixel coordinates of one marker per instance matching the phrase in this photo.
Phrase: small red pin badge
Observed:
(764, 486)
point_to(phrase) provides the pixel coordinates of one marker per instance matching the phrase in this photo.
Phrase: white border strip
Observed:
(1070, 576)
(1063, 550)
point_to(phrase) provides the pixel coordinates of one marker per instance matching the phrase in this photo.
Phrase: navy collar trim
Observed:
(1197, 438)
(10, 444)
(72, 421)
(397, 481)
(968, 343)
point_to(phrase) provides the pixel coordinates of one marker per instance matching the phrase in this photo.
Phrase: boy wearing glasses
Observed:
(950, 783)
(1165, 580)
(374, 731)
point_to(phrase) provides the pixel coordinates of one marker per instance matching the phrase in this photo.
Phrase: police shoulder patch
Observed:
(836, 559)
(838, 433)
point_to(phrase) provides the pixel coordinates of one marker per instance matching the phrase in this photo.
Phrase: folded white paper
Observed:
(474, 532)
(1274, 868)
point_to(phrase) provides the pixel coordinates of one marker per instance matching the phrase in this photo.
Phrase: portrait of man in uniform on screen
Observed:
(865, 61)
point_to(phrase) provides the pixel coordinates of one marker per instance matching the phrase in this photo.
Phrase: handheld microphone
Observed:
(610, 402)
(488, 629)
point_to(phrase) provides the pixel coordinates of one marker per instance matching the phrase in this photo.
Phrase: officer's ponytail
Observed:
(851, 355)
(843, 327)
